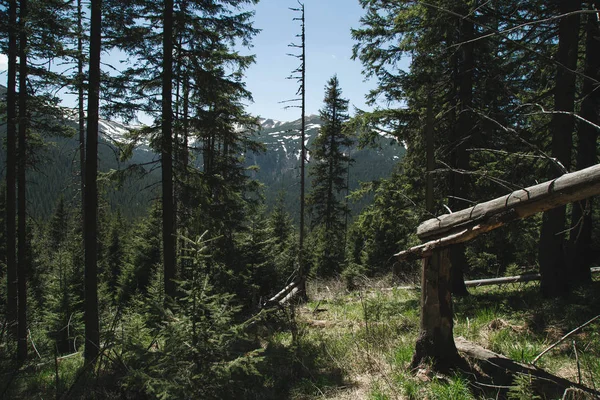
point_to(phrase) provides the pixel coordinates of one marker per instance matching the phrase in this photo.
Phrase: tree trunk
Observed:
(551, 254)
(465, 127)
(21, 180)
(581, 216)
(436, 342)
(168, 227)
(301, 259)
(80, 98)
(429, 146)
(92, 325)
(11, 173)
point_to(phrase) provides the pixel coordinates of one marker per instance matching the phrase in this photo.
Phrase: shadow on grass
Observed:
(301, 369)
(563, 314)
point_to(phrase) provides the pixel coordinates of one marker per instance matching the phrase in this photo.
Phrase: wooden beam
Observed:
(489, 281)
(503, 280)
(426, 249)
(282, 294)
(521, 203)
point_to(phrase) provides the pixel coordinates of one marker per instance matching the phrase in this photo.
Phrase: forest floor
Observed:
(344, 345)
(358, 345)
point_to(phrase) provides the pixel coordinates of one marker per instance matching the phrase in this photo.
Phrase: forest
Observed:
(184, 273)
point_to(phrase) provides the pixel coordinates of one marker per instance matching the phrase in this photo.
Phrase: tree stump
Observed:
(436, 342)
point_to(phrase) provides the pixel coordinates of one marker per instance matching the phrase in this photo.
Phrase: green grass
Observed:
(360, 344)
(373, 333)
(457, 388)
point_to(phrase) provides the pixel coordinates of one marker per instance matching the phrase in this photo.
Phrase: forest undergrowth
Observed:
(364, 341)
(343, 345)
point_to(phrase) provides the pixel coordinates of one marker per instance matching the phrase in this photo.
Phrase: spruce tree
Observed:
(90, 231)
(22, 250)
(11, 171)
(328, 173)
(581, 252)
(299, 75)
(208, 71)
(552, 247)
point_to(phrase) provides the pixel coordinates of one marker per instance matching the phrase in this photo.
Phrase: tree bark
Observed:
(429, 146)
(465, 126)
(301, 258)
(436, 342)
(80, 101)
(91, 321)
(168, 227)
(11, 173)
(21, 186)
(581, 217)
(551, 253)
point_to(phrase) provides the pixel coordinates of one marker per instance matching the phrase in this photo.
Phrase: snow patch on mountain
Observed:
(269, 123)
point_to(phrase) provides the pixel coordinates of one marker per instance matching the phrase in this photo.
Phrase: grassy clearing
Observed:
(358, 345)
(367, 338)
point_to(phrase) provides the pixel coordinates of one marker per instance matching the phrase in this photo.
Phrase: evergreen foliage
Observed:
(329, 180)
(499, 90)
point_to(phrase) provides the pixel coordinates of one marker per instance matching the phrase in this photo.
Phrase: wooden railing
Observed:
(436, 341)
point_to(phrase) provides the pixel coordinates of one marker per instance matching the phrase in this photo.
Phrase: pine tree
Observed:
(328, 173)
(285, 243)
(114, 256)
(553, 270)
(11, 172)
(299, 75)
(581, 253)
(22, 247)
(143, 256)
(208, 72)
(90, 231)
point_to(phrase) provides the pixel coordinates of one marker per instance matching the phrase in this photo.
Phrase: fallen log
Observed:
(503, 370)
(512, 279)
(426, 249)
(492, 281)
(282, 293)
(503, 280)
(521, 203)
(289, 296)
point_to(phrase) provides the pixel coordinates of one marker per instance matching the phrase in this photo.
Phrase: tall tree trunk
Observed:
(330, 195)
(581, 216)
(90, 231)
(551, 253)
(21, 179)
(429, 147)
(168, 228)
(80, 101)
(11, 173)
(460, 157)
(301, 255)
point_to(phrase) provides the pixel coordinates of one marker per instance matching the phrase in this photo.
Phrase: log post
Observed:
(436, 342)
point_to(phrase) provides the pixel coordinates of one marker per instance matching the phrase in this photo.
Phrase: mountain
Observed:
(56, 169)
(279, 166)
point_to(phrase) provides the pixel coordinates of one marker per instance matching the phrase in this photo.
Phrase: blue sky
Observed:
(328, 52)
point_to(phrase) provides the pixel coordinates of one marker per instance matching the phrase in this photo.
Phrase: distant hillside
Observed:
(279, 166)
(56, 171)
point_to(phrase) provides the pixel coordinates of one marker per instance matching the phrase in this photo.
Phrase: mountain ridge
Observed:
(278, 166)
